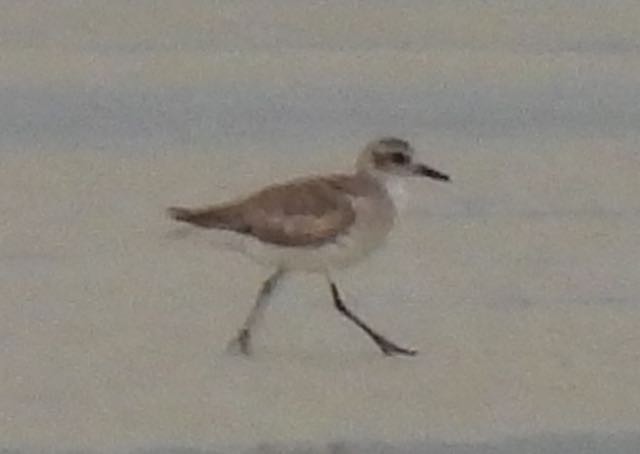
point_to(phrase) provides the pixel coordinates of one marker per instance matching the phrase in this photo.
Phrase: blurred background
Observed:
(518, 283)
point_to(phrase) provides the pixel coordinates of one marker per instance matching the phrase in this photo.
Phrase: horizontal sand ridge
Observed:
(596, 443)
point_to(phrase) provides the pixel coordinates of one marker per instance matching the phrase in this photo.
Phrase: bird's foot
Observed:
(391, 349)
(241, 344)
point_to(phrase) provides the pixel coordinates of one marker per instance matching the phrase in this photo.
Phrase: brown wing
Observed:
(301, 213)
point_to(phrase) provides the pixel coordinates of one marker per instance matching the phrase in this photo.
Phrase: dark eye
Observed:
(399, 158)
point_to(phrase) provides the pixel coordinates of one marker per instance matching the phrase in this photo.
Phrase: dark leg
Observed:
(387, 347)
(241, 343)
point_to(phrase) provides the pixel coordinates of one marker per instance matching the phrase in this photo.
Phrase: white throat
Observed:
(397, 190)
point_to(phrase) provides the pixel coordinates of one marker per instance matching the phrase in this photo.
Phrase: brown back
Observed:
(304, 212)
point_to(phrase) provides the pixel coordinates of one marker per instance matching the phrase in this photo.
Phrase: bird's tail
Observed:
(218, 217)
(180, 214)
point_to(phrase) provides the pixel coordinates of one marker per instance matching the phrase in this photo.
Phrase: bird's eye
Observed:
(399, 158)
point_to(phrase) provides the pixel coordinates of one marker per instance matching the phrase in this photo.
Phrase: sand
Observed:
(518, 283)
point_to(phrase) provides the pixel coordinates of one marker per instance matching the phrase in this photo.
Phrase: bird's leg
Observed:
(242, 342)
(387, 347)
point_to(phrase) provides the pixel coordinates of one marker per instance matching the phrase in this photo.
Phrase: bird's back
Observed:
(304, 212)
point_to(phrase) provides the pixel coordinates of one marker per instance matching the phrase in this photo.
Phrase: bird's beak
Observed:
(426, 171)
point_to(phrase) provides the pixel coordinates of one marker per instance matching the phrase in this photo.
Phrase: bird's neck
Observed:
(394, 186)
(397, 190)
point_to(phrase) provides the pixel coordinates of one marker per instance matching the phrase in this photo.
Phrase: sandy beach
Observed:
(518, 283)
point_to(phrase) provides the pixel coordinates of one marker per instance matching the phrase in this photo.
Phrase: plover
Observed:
(317, 224)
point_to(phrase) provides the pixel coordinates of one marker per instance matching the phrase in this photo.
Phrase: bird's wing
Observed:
(303, 213)
(306, 212)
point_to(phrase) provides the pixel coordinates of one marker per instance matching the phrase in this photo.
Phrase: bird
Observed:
(317, 224)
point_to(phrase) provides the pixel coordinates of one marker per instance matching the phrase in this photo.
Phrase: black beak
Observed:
(425, 171)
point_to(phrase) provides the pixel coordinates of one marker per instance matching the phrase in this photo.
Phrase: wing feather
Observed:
(306, 212)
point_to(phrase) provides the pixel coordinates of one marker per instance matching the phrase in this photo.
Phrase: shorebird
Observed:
(317, 224)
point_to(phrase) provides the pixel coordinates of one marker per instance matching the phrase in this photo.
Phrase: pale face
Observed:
(395, 157)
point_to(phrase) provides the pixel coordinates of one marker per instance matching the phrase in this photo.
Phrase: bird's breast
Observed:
(398, 192)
